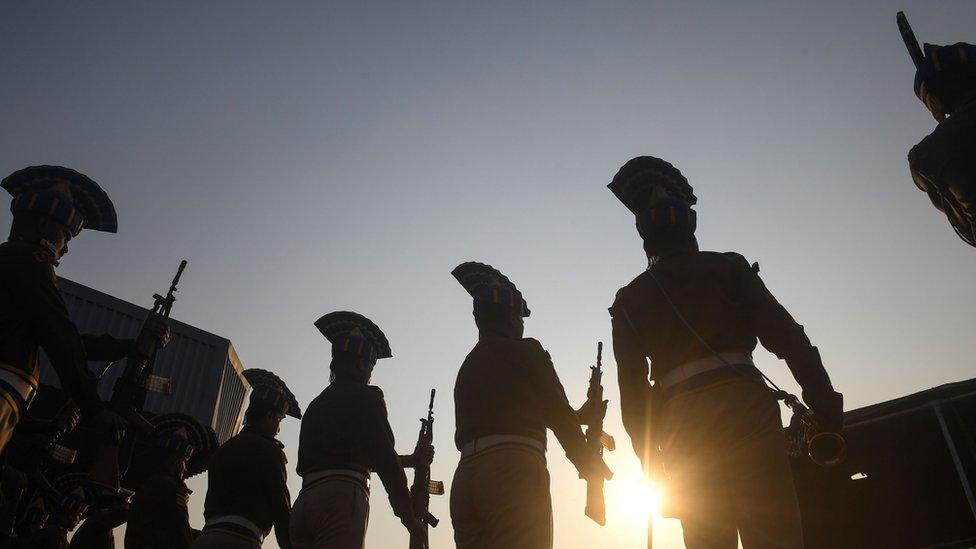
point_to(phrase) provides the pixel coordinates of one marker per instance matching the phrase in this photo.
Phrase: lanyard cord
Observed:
(778, 393)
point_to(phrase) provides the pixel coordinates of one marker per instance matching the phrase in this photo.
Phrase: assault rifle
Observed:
(129, 392)
(129, 395)
(422, 486)
(597, 440)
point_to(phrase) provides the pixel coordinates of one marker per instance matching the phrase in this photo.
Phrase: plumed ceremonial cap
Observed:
(944, 68)
(185, 436)
(487, 286)
(87, 197)
(267, 389)
(645, 179)
(353, 333)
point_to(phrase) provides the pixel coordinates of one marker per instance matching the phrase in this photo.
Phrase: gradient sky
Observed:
(309, 157)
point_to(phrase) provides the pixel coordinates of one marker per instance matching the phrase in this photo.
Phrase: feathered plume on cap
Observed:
(269, 390)
(645, 179)
(488, 286)
(41, 189)
(184, 435)
(355, 334)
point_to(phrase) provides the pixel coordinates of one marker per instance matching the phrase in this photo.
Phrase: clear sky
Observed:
(309, 157)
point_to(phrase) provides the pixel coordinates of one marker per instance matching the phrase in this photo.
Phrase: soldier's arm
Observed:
(107, 348)
(277, 490)
(633, 380)
(379, 441)
(47, 316)
(784, 337)
(561, 417)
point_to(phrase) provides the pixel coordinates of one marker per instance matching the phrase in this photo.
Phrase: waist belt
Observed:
(324, 475)
(17, 385)
(480, 444)
(236, 524)
(694, 368)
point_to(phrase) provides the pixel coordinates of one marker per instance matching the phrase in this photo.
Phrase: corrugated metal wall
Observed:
(204, 368)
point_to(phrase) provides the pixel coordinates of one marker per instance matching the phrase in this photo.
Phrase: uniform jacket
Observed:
(247, 478)
(33, 316)
(509, 387)
(722, 297)
(158, 517)
(346, 427)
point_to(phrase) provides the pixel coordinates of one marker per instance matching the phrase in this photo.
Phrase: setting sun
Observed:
(638, 498)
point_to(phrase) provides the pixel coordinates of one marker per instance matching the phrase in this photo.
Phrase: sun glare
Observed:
(639, 498)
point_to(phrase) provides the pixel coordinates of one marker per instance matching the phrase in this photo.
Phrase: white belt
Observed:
(322, 473)
(25, 390)
(482, 443)
(239, 521)
(691, 369)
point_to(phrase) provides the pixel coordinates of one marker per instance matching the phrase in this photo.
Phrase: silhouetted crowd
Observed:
(702, 418)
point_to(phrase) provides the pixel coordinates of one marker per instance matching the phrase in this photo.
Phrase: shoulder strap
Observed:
(681, 317)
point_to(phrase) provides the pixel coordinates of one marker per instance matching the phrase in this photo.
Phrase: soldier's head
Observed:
(51, 204)
(269, 403)
(668, 226)
(498, 306)
(357, 343)
(263, 419)
(946, 80)
(172, 450)
(661, 200)
(499, 320)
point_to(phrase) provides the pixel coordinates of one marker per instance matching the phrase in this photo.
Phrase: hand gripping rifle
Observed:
(597, 440)
(422, 486)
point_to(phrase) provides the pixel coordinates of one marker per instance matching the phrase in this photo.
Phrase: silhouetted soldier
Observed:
(158, 516)
(944, 163)
(345, 435)
(51, 205)
(247, 492)
(506, 395)
(697, 316)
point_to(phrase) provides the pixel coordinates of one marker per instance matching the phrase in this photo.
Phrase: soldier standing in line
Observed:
(51, 204)
(697, 316)
(247, 492)
(158, 517)
(345, 435)
(506, 395)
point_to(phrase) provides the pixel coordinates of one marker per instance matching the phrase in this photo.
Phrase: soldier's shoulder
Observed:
(533, 347)
(256, 441)
(23, 253)
(734, 259)
(373, 393)
(625, 292)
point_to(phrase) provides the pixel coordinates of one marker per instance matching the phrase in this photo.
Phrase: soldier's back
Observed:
(496, 391)
(336, 425)
(243, 472)
(708, 290)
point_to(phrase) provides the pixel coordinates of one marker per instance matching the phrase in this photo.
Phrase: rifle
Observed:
(422, 486)
(597, 440)
(129, 392)
(908, 36)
